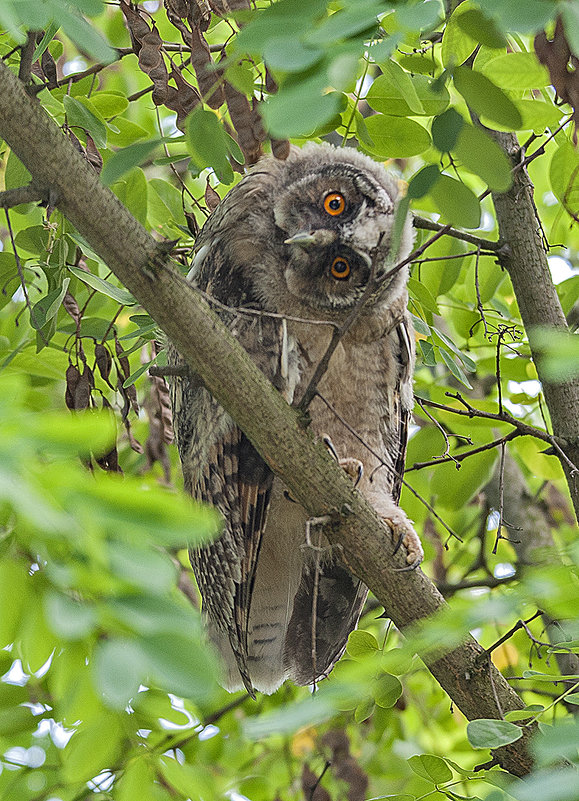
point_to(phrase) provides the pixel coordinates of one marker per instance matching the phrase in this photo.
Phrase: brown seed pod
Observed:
(181, 99)
(48, 65)
(199, 14)
(212, 199)
(78, 387)
(137, 26)
(242, 118)
(209, 80)
(224, 7)
(280, 148)
(152, 63)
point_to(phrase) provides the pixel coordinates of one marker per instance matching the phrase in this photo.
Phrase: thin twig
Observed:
(465, 454)
(499, 536)
(504, 417)
(21, 276)
(500, 248)
(518, 625)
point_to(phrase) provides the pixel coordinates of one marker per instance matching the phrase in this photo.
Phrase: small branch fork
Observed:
(503, 417)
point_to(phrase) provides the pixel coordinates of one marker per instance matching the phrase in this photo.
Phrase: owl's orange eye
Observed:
(340, 268)
(334, 204)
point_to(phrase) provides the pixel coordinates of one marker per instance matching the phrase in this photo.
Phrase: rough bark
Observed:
(539, 305)
(309, 472)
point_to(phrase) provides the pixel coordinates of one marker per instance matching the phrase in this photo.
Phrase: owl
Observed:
(286, 256)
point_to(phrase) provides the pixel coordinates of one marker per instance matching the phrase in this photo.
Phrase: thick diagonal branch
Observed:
(274, 428)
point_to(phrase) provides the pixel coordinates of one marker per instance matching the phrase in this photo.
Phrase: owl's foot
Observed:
(353, 467)
(404, 534)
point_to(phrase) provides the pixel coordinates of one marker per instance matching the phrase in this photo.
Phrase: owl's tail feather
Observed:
(241, 660)
(313, 645)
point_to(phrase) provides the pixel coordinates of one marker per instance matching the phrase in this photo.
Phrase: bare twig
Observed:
(518, 625)
(462, 456)
(500, 248)
(504, 417)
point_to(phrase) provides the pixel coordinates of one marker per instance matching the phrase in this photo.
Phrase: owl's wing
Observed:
(220, 465)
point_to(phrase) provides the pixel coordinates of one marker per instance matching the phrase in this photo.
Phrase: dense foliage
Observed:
(106, 679)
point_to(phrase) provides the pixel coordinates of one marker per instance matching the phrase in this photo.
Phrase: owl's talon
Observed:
(404, 534)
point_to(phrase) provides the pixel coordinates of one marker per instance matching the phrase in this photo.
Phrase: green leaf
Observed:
(46, 308)
(207, 143)
(387, 690)
(422, 293)
(457, 203)
(181, 665)
(289, 54)
(348, 21)
(387, 94)
(132, 190)
(457, 44)
(78, 115)
(94, 747)
(454, 368)
(109, 104)
(136, 781)
(118, 670)
(423, 181)
(517, 71)
(14, 589)
(486, 733)
(486, 98)
(362, 644)
(124, 160)
(194, 783)
(87, 38)
(68, 618)
(105, 287)
(396, 137)
(481, 28)
(483, 156)
(402, 81)
(564, 174)
(445, 130)
(431, 767)
(428, 355)
(570, 15)
(301, 107)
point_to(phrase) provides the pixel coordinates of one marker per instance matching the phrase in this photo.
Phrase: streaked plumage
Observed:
(259, 582)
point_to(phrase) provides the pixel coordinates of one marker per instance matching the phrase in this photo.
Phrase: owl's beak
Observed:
(313, 239)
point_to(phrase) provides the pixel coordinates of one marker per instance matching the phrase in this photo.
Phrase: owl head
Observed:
(334, 211)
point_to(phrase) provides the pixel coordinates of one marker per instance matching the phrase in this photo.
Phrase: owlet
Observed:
(292, 246)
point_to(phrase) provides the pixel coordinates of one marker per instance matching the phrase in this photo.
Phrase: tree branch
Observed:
(538, 301)
(23, 194)
(309, 472)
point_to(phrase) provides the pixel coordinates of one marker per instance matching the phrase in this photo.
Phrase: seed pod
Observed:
(224, 7)
(242, 118)
(199, 14)
(182, 99)
(137, 26)
(208, 79)
(212, 199)
(49, 69)
(280, 148)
